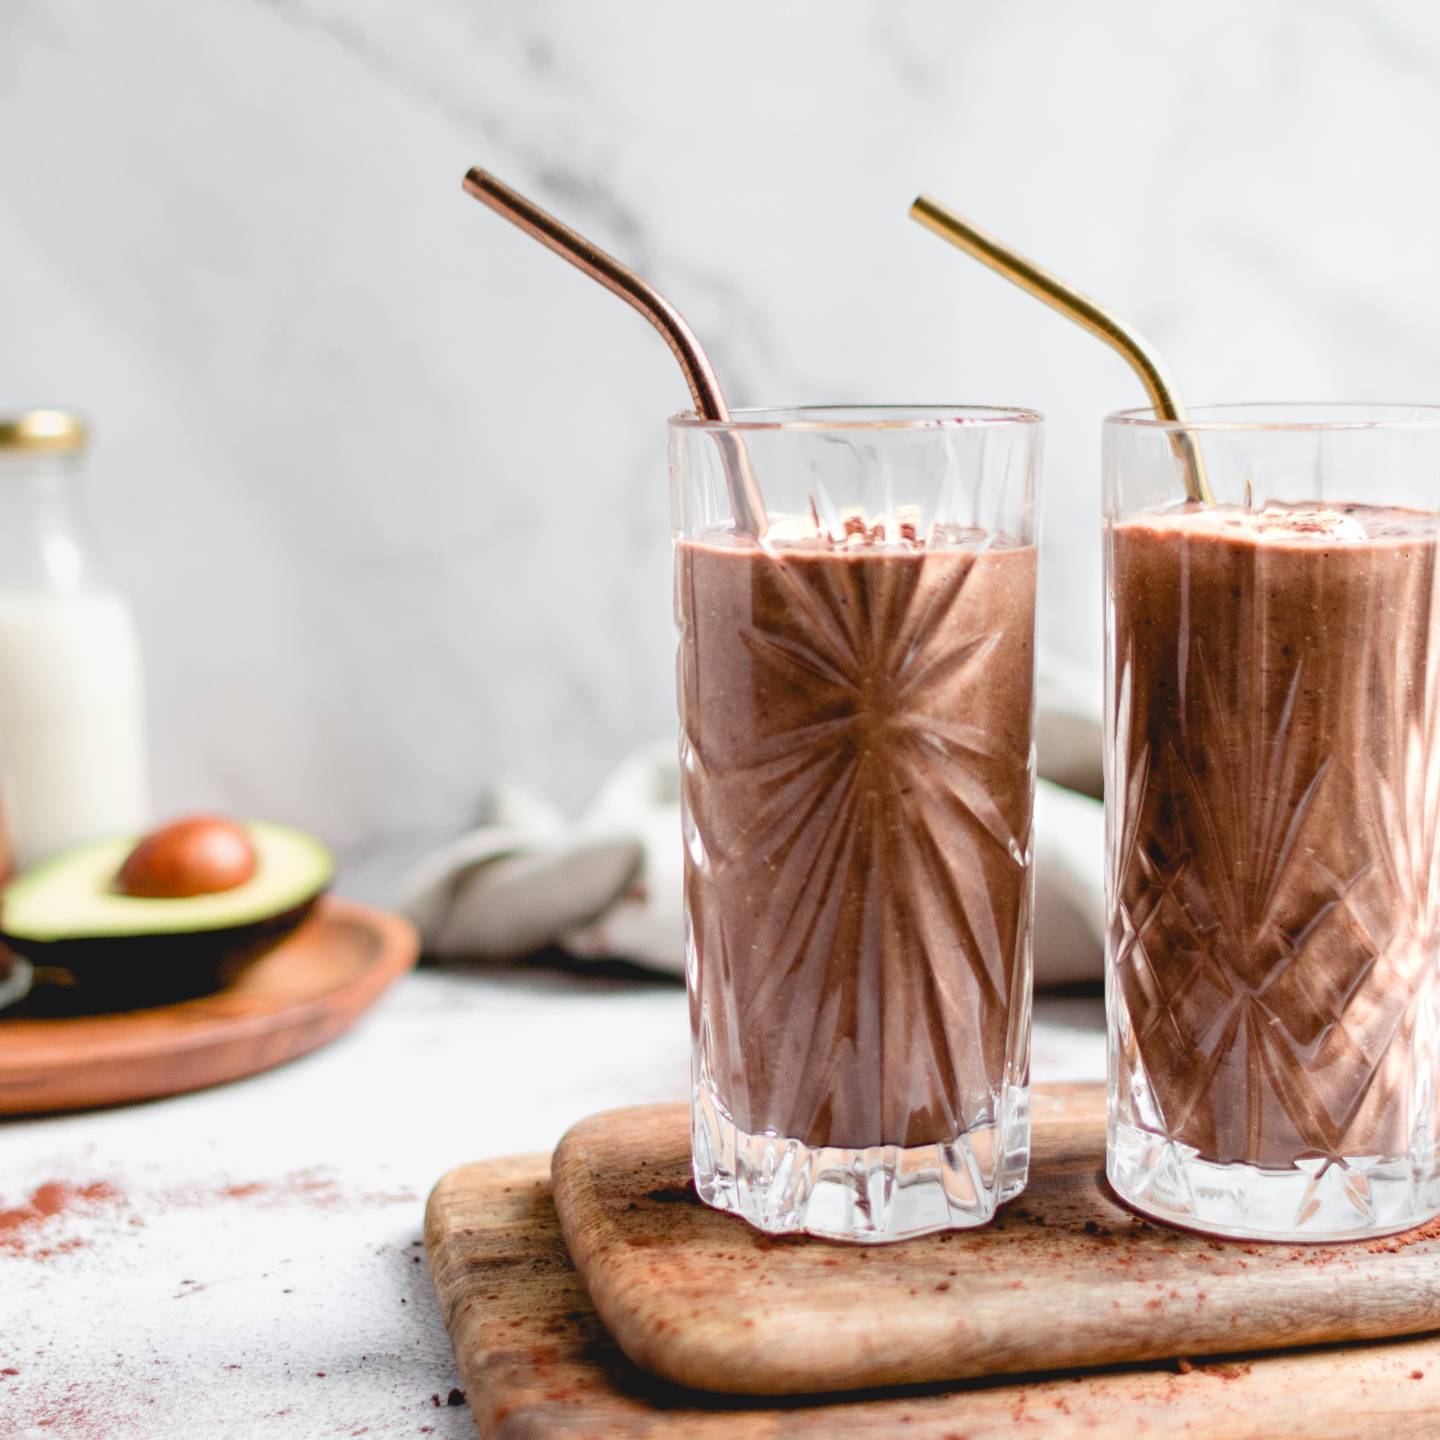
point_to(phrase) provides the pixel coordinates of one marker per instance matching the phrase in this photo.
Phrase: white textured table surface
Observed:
(247, 1261)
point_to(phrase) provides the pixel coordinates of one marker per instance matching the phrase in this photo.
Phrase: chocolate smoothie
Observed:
(858, 781)
(1274, 790)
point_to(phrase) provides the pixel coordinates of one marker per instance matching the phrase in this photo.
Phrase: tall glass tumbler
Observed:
(856, 705)
(1273, 789)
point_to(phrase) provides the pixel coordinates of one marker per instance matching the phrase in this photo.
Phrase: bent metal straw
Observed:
(945, 223)
(700, 375)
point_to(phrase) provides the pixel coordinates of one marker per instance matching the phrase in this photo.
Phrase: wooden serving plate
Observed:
(312, 987)
(538, 1364)
(1063, 1278)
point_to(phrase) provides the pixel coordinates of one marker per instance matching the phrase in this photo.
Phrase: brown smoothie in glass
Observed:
(1274, 791)
(858, 781)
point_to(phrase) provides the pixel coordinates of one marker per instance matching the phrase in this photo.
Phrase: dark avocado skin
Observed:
(133, 972)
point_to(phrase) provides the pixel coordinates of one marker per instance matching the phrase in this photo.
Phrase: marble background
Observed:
(386, 481)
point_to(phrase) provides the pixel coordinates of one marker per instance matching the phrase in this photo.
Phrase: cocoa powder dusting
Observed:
(310, 1187)
(1394, 1244)
(1229, 1372)
(44, 1227)
(27, 1231)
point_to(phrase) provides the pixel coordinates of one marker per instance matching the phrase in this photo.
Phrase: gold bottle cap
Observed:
(57, 432)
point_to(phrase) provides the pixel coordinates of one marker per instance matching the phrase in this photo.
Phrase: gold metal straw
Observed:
(700, 375)
(1083, 311)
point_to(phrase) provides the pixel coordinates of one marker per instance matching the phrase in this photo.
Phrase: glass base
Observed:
(1352, 1198)
(870, 1196)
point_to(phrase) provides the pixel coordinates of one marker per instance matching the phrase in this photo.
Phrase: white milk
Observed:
(71, 718)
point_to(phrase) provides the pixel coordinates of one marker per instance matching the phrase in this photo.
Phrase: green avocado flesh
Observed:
(73, 896)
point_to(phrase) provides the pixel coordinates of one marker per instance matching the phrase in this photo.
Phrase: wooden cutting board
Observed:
(1064, 1277)
(537, 1363)
(312, 987)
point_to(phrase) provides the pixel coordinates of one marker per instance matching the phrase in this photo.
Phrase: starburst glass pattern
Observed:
(1274, 782)
(858, 778)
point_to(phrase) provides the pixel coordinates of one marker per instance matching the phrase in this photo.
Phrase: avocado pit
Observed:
(195, 855)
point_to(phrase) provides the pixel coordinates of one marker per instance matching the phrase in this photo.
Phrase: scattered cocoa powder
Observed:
(311, 1186)
(1393, 1244)
(35, 1230)
(22, 1229)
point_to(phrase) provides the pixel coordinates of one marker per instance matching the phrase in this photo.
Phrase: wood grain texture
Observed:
(538, 1364)
(1064, 1277)
(309, 989)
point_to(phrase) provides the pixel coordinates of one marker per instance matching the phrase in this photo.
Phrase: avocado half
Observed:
(67, 914)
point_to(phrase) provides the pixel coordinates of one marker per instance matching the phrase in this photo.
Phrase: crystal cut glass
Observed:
(856, 701)
(1273, 790)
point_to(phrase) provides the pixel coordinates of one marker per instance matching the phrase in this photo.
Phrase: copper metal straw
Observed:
(1083, 311)
(700, 375)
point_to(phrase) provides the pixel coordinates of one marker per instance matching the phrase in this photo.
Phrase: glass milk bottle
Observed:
(71, 705)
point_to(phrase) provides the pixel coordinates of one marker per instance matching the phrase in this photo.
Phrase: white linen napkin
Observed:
(610, 884)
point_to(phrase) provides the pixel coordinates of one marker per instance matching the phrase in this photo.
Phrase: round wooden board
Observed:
(309, 989)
